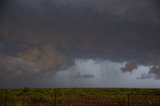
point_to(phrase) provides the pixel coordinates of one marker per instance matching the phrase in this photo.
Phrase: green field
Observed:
(78, 96)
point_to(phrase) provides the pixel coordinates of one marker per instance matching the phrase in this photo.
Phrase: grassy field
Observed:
(78, 97)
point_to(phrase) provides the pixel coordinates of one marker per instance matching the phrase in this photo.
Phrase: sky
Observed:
(80, 43)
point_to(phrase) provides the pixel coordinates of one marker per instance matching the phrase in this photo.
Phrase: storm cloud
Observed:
(40, 36)
(106, 74)
(130, 66)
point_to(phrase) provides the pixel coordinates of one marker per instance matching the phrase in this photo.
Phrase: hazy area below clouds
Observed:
(89, 73)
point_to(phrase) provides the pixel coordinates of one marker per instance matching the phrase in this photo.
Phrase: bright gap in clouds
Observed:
(97, 73)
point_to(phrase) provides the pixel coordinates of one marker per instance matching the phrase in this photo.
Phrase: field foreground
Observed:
(79, 97)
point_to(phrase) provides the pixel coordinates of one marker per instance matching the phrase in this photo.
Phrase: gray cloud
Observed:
(107, 74)
(46, 34)
(154, 72)
(130, 66)
(28, 65)
(78, 75)
(40, 22)
(46, 58)
(36, 59)
(1, 45)
(13, 67)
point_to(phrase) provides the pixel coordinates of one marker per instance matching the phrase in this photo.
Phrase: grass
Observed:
(34, 95)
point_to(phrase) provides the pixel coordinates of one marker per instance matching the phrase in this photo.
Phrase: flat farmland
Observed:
(79, 97)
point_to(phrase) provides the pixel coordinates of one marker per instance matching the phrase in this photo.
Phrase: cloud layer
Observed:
(38, 36)
(28, 64)
(104, 73)
(101, 27)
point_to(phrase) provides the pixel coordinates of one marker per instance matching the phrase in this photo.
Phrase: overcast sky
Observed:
(79, 43)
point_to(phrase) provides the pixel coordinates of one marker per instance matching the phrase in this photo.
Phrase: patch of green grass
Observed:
(19, 103)
(47, 95)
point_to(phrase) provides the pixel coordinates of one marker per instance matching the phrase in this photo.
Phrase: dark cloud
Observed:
(13, 67)
(29, 64)
(40, 59)
(78, 75)
(46, 34)
(154, 72)
(46, 58)
(130, 66)
(133, 32)
(1, 45)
